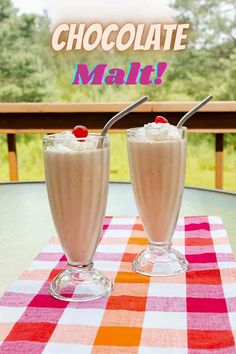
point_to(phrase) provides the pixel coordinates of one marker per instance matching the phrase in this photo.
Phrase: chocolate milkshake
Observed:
(157, 155)
(77, 177)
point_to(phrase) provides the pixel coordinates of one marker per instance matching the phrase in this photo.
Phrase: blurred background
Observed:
(30, 71)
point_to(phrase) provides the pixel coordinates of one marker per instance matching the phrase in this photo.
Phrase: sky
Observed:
(99, 10)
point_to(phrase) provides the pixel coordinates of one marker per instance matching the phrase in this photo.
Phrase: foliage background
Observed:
(30, 71)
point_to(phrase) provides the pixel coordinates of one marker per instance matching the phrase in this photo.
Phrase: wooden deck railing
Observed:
(217, 117)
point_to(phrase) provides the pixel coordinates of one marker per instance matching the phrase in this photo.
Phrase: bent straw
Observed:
(122, 113)
(193, 111)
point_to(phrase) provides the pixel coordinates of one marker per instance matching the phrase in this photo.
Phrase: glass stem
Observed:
(159, 248)
(79, 268)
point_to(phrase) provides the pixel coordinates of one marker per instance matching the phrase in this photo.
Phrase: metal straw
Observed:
(193, 111)
(123, 113)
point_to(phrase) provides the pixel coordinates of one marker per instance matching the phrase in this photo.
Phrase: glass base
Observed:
(159, 259)
(79, 284)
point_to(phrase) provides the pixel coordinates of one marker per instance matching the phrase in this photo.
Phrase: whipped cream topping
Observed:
(158, 131)
(66, 142)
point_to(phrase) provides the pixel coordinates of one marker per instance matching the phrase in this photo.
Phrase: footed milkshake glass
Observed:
(157, 170)
(77, 178)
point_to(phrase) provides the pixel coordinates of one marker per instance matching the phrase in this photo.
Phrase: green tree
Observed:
(23, 74)
(208, 65)
(213, 22)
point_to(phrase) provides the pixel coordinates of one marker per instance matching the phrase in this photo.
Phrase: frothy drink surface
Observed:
(157, 167)
(77, 184)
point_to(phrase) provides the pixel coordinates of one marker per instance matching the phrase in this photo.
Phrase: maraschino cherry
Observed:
(80, 131)
(160, 119)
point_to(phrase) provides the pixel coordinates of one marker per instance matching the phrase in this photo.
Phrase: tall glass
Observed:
(77, 185)
(157, 170)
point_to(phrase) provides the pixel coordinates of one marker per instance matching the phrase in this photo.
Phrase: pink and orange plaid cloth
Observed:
(192, 313)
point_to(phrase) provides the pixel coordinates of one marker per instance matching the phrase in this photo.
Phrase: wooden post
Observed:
(12, 157)
(219, 160)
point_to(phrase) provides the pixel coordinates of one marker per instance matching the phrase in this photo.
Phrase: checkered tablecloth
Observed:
(192, 313)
